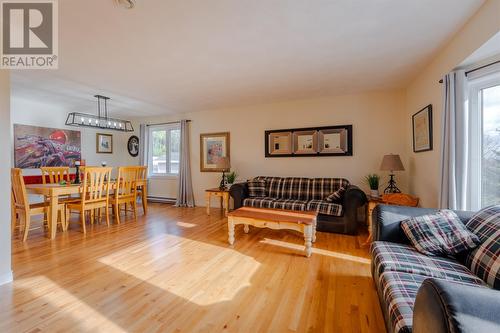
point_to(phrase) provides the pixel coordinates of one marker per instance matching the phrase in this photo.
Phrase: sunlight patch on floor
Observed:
(186, 225)
(73, 314)
(199, 272)
(300, 248)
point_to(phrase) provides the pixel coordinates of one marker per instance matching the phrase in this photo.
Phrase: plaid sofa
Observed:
(399, 272)
(307, 194)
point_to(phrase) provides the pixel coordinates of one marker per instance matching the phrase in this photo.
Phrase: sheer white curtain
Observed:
(455, 153)
(185, 196)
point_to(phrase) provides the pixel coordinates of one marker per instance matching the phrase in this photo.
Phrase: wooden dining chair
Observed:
(95, 195)
(125, 192)
(142, 189)
(55, 175)
(21, 206)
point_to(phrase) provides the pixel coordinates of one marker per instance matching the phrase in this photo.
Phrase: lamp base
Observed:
(392, 188)
(222, 185)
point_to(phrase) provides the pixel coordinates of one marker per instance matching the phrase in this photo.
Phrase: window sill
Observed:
(168, 176)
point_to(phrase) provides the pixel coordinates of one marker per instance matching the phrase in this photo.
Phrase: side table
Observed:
(223, 194)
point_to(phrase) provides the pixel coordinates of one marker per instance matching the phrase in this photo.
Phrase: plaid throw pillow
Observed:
(336, 196)
(440, 234)
(257, 188)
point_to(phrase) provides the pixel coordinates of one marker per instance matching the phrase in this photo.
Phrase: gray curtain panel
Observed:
(455, 149)
(143, 144)
(185, 196)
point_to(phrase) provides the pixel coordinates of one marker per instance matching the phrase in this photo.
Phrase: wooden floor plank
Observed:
(173, 271)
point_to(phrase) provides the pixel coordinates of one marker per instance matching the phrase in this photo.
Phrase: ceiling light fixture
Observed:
(101, 120)
(128, 4)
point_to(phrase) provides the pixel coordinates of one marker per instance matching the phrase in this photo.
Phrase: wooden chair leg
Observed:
(134, 207)
(82, 220)
(27, 223)
(106, 212)
(116, 208)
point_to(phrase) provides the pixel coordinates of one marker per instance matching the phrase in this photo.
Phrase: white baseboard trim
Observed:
(6, 278)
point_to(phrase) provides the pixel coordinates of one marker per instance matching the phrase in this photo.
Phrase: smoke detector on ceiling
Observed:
(128, 4)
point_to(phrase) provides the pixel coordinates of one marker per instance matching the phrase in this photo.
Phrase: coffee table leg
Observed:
(308, 232)
(314, 231)
(246, 229)
(230, 228)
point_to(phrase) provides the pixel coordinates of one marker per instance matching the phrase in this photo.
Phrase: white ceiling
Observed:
(167, 56)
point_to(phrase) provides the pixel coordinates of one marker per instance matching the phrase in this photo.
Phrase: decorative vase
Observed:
(374, 193)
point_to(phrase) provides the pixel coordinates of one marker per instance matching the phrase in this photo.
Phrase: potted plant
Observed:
(231, 178)
(373, 181)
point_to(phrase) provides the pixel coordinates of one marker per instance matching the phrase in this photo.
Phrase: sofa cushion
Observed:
(484, 261)
(441, 234)
(257, 188)
(405, 259)
(322, 187)
(275, 203)
(259, 202)
(323, 207)
(295, 188)
(290, 204)
(399, 291)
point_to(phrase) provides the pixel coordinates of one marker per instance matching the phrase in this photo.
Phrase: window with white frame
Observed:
(484, 108)
(164, 149)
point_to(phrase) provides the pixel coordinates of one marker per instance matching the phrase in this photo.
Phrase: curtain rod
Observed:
(478, 68)
(170, 122)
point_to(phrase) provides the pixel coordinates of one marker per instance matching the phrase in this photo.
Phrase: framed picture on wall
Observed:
(279, 143)
(422, 130)
(305, 142)
(36, 147)
(104, 143)
(213, 146)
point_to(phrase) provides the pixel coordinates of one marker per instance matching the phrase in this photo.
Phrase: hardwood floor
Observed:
(173, 271)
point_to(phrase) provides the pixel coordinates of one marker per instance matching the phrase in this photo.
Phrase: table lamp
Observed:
(225, 165)
(392, 163)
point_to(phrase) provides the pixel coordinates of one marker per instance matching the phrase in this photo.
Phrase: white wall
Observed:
(378, 124)
(38, 113)
(5, 138)
(424, 174)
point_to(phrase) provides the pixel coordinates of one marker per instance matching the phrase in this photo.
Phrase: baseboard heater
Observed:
(161, 199)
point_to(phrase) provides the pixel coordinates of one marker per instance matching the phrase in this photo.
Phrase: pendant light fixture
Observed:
(101, 120)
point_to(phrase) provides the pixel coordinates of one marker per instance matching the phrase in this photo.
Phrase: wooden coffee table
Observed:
(304, 222)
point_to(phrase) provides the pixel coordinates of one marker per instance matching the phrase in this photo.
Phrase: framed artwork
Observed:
(422, 129)
(280, 143)
(104, 143)
(213, 146)
(133, 146)
(334, 141)
(312, 141)
(36, 147)
(305, 142)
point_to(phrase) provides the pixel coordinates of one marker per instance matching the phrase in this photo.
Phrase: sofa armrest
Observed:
(353, 199)
(444, 306)
(238, 192)
(387, 219)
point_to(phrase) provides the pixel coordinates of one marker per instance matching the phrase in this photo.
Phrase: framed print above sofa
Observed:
(311, 141)
(213, 146)
(422, 130)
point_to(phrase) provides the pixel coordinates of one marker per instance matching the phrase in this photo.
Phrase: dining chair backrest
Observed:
(127, 177)
(54, 175)
(96, 185)
(142, 172)
(19, 189)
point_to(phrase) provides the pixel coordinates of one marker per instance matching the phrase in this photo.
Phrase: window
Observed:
(485, 139)
(164, 150)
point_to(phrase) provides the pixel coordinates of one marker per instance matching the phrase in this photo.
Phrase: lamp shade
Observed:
(223, 163)
(392, 162)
